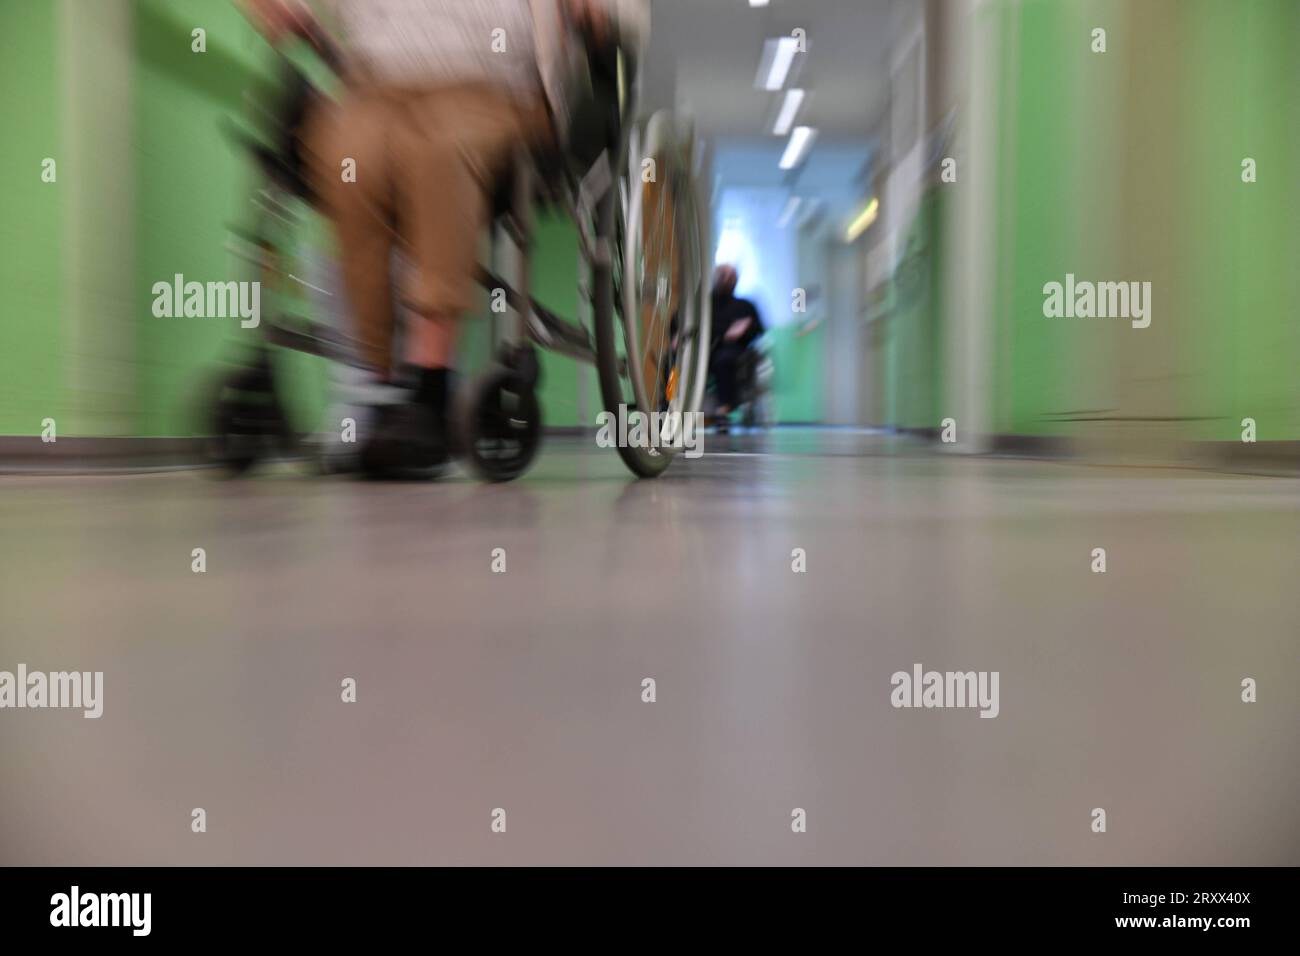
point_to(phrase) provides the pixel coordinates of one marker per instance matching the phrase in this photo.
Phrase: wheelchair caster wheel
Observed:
(522, 364)
(247, 421)
(501, 426)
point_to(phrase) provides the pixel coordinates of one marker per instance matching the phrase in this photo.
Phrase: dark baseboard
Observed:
(1032, 446)
(1266, 456)
(929, 434)
(28, 453)
(1011, 446)
(25, 454)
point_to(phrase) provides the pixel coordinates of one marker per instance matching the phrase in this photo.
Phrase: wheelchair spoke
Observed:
(660, 308)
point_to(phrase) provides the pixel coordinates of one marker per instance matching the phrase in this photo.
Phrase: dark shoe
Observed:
(408, 443)
(434, 388)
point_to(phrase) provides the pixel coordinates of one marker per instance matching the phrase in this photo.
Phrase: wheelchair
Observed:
(754, 373)
(644, 254)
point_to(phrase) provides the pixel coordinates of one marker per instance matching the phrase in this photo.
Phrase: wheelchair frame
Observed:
(531, 324)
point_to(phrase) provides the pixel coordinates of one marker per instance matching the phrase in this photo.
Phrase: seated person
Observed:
(736, 325)
(433, 112)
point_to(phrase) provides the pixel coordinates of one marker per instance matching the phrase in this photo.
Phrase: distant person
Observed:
(736, 325)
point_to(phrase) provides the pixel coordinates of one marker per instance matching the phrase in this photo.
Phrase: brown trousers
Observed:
(425, 163)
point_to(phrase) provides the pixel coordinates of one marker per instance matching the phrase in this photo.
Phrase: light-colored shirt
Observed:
(420, 43)
(518, 44)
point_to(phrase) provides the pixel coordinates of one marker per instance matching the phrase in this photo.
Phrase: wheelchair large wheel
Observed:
(500, 425)
(651, 301)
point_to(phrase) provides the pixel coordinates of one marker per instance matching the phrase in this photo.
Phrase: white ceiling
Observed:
(704, 56)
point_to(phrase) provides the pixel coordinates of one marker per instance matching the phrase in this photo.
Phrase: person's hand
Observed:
(590, 16)
(278, 19)
(736, 330)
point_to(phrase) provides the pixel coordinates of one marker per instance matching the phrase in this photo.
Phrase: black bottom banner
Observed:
(377, 905)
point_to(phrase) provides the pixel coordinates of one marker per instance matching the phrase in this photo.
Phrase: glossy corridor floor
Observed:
(523, 690)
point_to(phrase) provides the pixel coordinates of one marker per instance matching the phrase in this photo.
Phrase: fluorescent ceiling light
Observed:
(758, 3)
(774, 67)
(867, 217)
(791, 208)
(789, 109)
(801, 141)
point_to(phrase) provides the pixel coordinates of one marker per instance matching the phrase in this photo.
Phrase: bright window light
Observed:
(801, 141)
(789, 109)
(758, 3)
(778, 56)
(735, 248)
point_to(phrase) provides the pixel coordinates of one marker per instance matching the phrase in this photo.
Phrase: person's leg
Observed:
(433, 341)
(353, 161)
(351, 172)
(444, 149)
(355, 393)
(722, 363)
(450, 149)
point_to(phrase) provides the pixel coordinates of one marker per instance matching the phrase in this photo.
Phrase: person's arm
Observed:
(737, 329)
(746, 329)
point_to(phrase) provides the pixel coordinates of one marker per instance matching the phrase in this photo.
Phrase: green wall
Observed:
(913, 367)
(1240, 66)
(555, 286)
(192, 184)
(798, 380)
(1038, 166)
(32, 382)
(798, 360)
(1126, 165)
